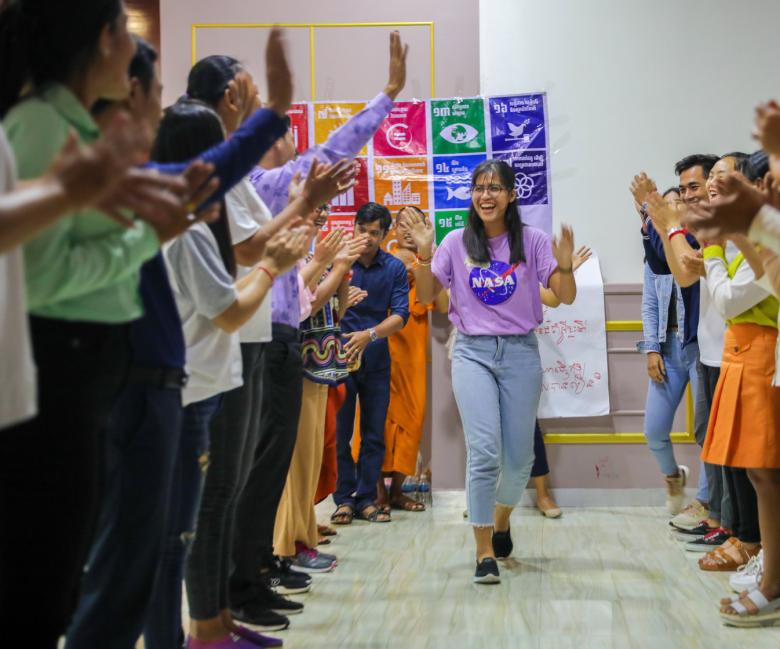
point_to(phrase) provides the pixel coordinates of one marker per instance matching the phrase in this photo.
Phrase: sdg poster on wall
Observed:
(424, 153)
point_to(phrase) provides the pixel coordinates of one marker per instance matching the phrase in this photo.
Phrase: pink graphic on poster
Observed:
(403, 131)
(299, 125)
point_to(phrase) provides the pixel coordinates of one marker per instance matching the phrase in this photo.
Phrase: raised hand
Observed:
(641, 187)
(278, 75)
(581, 256)
(324, 182)
(767, 129)
(731, 212)
(663, 215)
(421, 230)
(563, 248)
(397, 77)
(326, 249)
(284, 249)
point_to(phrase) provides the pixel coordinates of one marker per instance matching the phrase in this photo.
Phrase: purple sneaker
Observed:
(257, 639)
(233, 641)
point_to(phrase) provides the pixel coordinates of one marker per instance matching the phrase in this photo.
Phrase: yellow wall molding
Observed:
(312, 27)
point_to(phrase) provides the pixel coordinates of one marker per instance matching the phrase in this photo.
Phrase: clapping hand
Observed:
(767, 130)
(351, 249)
(563, 248)
(327, 248)
(581, 256)
(421, 230)
(355, 296)
(284, 249)
(693, 262)
(731, 212)
(641, 187)
(663, 215)
(324, 182)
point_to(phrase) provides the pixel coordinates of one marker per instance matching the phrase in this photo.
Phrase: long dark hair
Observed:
(474, 237)
(43, 41)
(209, 78)
(188, 128)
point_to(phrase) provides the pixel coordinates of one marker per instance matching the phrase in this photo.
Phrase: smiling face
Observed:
(722, 168)
(693, 186)
(491, 198)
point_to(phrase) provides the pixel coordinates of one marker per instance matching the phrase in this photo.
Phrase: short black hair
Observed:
(756, 166)
(142, 65)
(209, 78)
(371, 212)
(704, 160)
(671, 190)
(740, 159)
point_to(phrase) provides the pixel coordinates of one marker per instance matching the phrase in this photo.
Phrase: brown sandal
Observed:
(729, 557)
(343, 515)
(404, 503)
(375, 515)
(325, 530)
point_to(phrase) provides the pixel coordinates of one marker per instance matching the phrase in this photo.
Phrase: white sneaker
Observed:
(675, 490)
(691, 516)
(748, 577)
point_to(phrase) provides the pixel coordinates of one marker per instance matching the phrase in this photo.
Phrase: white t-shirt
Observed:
(246, 212)
(203, 289)
(17, 371)
(712, 326)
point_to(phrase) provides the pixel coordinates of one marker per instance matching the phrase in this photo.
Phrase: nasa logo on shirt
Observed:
(493, 284)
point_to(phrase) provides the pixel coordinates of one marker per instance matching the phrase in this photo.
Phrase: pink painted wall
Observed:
(351, 63)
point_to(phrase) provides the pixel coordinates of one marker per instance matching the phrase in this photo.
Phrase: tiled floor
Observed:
(601, 578)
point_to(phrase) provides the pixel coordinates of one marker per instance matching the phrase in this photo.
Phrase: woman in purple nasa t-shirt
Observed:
(493, 269)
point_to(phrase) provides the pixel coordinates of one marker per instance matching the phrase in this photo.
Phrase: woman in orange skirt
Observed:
(745, 416)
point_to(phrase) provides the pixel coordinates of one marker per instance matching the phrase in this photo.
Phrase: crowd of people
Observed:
(710, 319)
(191, 361)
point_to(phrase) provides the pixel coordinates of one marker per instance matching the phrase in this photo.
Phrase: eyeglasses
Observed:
(324, 209)
(490, 190)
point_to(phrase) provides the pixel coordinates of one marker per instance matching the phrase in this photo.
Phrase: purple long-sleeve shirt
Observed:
(272, 186)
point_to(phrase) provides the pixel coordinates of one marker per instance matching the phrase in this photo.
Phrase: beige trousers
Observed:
(295, 518)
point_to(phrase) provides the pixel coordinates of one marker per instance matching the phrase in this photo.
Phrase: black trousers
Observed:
(50, 474)
(745, 505)
(259, 500)
(540, 466)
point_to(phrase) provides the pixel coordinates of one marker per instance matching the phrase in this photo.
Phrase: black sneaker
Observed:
(259, 618)
(502, 544)
(487, 572)
(284, 581)
(714, 539)
(271, 601)
(697, 532)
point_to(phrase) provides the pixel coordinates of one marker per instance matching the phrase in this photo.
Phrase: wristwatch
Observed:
(372, 335)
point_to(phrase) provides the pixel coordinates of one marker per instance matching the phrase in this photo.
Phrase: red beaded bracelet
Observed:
(676, 232)
(424, 260)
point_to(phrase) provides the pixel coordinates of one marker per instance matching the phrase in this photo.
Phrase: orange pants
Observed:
(329, 469)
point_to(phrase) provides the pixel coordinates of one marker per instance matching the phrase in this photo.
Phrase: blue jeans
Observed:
(356, 483)
(141, 442)
(497, 381)
(163, 623)
(663, 399)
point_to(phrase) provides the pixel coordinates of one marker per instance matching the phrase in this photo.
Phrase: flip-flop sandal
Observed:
(323, 541)
(324, 530)
(373, 517)
(343, 515)
(768, 612)
(408, 505)
(384, 508)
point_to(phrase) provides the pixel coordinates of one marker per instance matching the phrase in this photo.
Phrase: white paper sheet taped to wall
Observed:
(573, 347)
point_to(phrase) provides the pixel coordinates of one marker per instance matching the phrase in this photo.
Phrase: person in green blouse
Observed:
(56, 60)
